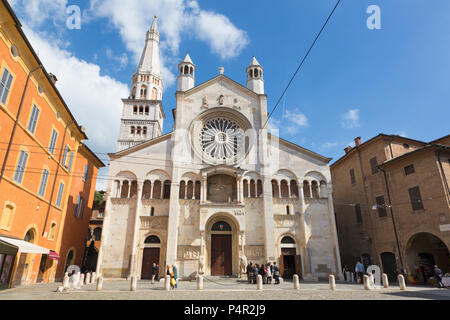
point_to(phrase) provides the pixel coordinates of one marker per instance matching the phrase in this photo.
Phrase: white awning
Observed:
(25, 247)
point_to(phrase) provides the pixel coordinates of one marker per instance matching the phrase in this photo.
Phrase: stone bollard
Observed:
(366, 282)
(81, 283)
(99, 283)
(93, 277)
(76, 280)
(259, 284)
(296, 282)
(133, 286)
(332, 282)
(66, 283)
(401, 282)
(88, 278)
(385, 280)
(349, 276)
(371, 280)
(167, 283)
(353, 277)
(200, 282)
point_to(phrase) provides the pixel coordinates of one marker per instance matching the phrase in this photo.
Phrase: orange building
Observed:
(42, 161)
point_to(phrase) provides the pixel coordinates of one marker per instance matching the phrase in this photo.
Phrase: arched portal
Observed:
(389, 264)
(290, 260)
(222, 244)
(151, 255)
(426, 250)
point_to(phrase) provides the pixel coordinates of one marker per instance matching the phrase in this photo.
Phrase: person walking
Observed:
(268, 274)
(276, 273)
(359, 269)
(175, 275)
(255, 273)
(438, 276)
(262, 272)
(154, 272)
(249, 272)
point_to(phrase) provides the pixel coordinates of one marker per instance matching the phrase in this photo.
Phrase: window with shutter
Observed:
(53, 139)
(358, 213)
(66, 151)
(69, 166)
(86, 172)
(352, 176)
(82, 203)
(374, 165)
(77, 206)
(5, 85)
(43, 184)
(416, 199)
(21, 164)
(33, 119)
(381, 206)
(409, 169)
(60, 194)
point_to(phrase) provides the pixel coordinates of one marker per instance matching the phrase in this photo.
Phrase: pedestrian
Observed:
(268, 274)
(255, 272)
(359, 269)
(175, 275)
(262, 272)
(276, 273)
(438, 276)
(154, 272)
(249, 272)
(344, 271)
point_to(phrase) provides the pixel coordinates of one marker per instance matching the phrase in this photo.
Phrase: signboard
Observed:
(444, 227)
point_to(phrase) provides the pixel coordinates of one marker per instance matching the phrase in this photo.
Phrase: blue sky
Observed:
(356, 81)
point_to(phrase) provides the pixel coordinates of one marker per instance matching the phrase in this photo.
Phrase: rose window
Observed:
(221, 138)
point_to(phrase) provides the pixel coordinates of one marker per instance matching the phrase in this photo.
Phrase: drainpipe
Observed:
(17, 121)
(393, 220)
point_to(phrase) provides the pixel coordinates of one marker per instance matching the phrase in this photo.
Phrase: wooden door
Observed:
(288, 255)
(221, 255)
(150, 256)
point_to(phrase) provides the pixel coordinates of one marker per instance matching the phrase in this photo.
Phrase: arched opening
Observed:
(132, 130)
(146, 110)
(294, 189)
(166, 193)
(133, 189)
(288, 210)
(154, 94)
(186, 70)
(143, 92)
(250, 73)
(157, 190)
(197, 190)
(191, 71)
(284, 189)
(135, 109)
(124, 189)
(222, 188)
(252, 189)
(259, 188)
(181, 194)
(245, 189)
(190, 189)
(221, 249)
(275, 191)
(150, 255)
(141, 110)
(306, 189)
(144, 131)
(290, 262)
(138, 131)
(315, 189)
(146, 189)
(389, 264)
(423, 251)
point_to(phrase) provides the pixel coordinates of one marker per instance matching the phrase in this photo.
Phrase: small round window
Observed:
(14, 51)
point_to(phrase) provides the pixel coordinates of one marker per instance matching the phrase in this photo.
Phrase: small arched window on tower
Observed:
(191, 71)
(144, 131)
(133, 93)
(138, 131)
(152, 212)
(132, 130)
(256, 73)
(288, 211)
(250, 73)
(141, 110)
(135, 109)
(186, 70)
(143, 92)
(146, 110)
(181, 70)
(154, 94)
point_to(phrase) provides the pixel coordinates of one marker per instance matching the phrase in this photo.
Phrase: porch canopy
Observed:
(23, 246)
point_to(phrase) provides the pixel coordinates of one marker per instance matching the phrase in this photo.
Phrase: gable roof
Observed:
(140, 146)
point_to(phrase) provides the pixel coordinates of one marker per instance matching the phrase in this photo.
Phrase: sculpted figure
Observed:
(243, 264)
(201, 265)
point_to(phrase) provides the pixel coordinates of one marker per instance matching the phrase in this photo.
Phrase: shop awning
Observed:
(53, 255)
(24, 247)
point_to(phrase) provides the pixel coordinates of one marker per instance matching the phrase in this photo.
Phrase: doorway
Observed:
(150, 256)
(389, 265)
(221, 255)
(288, 262)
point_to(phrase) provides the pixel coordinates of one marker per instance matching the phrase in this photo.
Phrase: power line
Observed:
(301, 63)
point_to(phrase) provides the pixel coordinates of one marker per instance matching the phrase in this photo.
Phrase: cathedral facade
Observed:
(219, 190)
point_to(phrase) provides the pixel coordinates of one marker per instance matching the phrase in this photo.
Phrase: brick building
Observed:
(44, 165)
(94, 235)
(391, 198)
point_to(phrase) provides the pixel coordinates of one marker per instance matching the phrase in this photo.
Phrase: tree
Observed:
(98, 197)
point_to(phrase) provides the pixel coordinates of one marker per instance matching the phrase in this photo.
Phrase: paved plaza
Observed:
(223, 289)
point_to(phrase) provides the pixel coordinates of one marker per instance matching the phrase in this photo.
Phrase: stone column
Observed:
(238, 188)
(289, 189)
(186, 189)
(279, 189)
(248, 188)
(334, 232)
(172, 240)
(162, 190)
(129, 188)
(105, 232)
(304, 256)
(205, 188)
(202, 243)
(152, 184)
(135, 237)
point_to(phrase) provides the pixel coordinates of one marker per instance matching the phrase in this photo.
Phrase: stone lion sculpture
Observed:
(201, 264)
(243, 264)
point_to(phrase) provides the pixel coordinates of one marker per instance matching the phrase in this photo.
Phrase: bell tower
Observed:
(143, 114)
(186, 76)
(255, 80)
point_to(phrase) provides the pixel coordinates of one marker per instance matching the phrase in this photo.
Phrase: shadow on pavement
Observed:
(424, 294)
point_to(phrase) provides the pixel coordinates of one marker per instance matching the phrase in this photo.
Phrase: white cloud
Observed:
(329, 145)
(38, 11)
(122, 60)
(294, 121)
(93, 99)
(350, 119)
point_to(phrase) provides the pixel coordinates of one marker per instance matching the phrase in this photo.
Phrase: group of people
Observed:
(172, 271)
(267, 272)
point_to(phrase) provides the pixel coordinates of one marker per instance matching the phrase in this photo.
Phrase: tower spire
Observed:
(150, 56)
